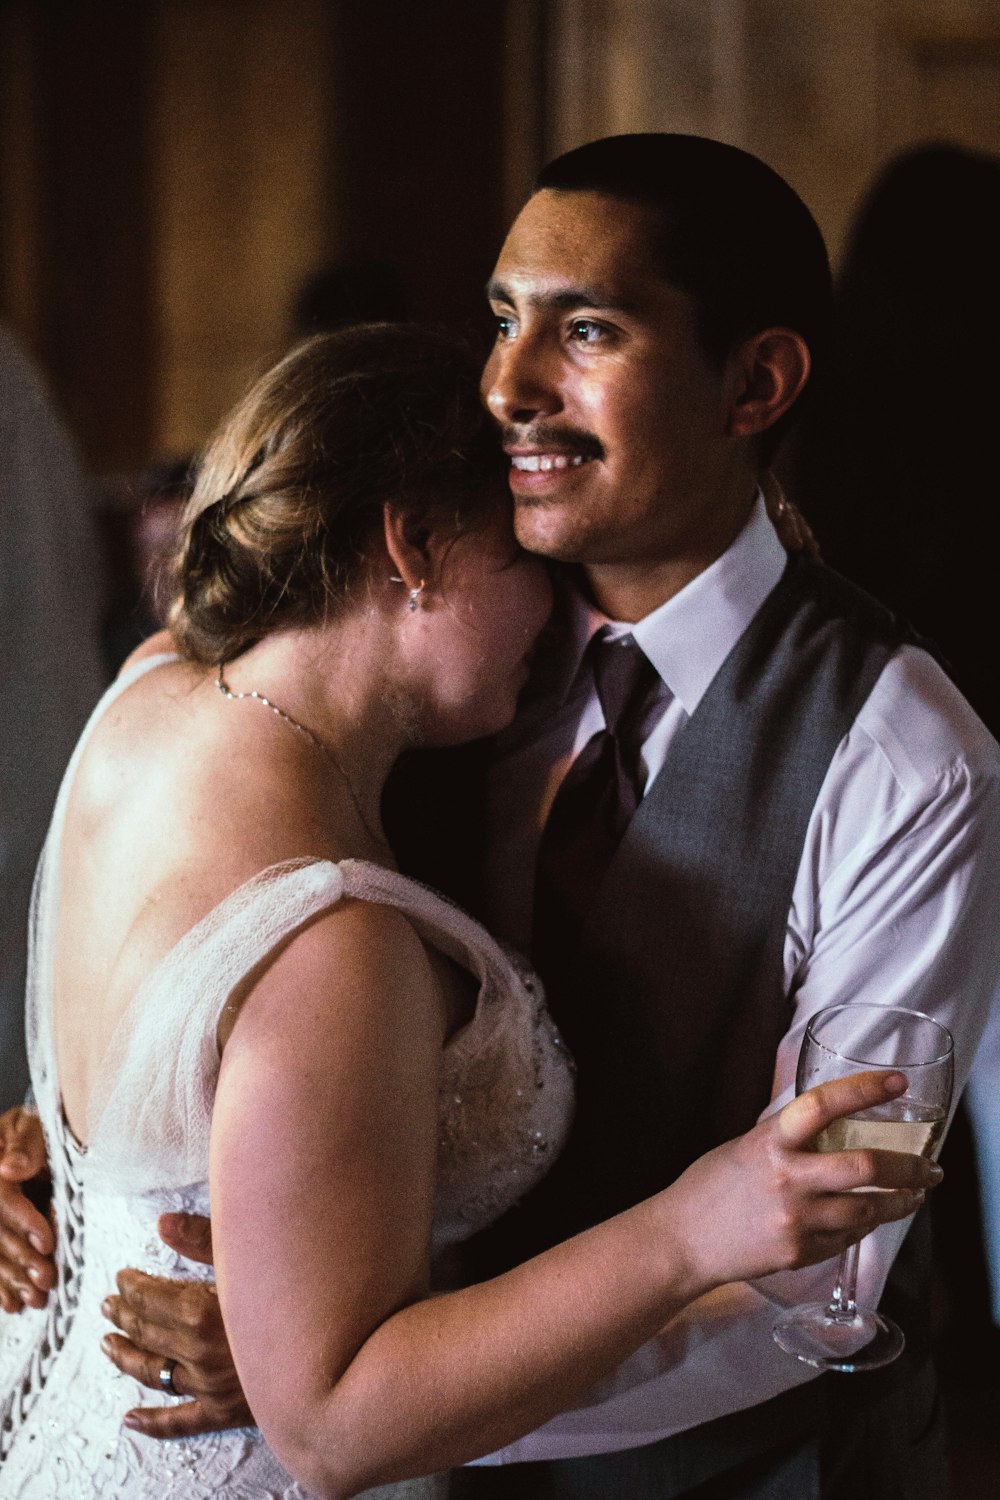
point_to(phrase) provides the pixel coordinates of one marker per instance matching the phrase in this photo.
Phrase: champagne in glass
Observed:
(900, 1125)
(856, 1038)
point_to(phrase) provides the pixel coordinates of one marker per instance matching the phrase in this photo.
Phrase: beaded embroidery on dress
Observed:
(505, 1108)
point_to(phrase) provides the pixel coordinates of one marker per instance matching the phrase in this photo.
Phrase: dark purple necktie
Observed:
(595, 802)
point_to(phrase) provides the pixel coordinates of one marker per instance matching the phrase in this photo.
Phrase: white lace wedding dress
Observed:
(505, 1106)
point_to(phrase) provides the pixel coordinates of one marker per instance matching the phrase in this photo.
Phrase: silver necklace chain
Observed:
(313, 739)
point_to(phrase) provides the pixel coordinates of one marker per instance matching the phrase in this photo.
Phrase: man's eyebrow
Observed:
(566, 299)
(497, 292)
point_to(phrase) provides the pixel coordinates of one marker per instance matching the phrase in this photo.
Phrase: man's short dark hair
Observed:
(729, 232)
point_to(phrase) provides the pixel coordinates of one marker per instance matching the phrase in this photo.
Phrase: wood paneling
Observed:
(419, 152)
(77, 269)
(173, 170)
(239, 196)
(826, 92)
(20, 230)
(170, 171)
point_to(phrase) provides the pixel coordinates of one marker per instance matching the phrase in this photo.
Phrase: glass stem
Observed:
(842, 1303)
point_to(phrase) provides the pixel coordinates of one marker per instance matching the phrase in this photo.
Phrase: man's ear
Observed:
(768, 373)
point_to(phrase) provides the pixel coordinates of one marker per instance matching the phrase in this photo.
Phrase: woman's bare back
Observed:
(174, 804)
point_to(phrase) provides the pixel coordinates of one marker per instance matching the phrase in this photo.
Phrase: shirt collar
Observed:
(689, 637)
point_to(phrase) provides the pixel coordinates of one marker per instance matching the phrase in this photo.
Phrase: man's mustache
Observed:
(569, 440)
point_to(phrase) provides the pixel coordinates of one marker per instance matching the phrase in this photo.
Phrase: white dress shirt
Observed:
(895, 901)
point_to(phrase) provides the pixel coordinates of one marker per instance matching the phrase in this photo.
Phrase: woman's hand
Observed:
(769, 1201)
(176, 1321)
(27, 1271)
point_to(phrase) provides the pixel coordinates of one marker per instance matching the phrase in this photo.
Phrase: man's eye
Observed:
(586, 331)
(505, 326)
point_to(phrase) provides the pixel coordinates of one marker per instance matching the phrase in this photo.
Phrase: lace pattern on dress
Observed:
(67, 1199)
(53, 1325)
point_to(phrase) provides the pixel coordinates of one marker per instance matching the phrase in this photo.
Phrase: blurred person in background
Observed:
(51, 591)
(137, 520)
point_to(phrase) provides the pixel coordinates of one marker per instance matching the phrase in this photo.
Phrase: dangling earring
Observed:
(414, 599)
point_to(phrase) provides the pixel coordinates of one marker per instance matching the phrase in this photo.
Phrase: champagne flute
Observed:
(839, 1041)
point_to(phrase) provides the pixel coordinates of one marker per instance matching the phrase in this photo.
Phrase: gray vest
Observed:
(674, 1002)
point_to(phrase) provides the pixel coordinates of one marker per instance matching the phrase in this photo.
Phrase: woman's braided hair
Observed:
(289, 494)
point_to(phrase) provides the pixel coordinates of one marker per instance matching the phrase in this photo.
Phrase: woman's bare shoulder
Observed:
(171, 749)
(158, 644)
(180, 804)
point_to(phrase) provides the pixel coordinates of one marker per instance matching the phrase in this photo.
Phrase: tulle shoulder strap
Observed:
(151, 1106)
(438, 920)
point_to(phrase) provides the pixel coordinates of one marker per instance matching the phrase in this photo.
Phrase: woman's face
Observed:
(481, 625)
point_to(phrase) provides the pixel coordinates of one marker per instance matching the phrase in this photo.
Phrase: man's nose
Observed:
(520, 381)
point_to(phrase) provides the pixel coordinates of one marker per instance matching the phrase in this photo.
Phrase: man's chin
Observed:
(541, 530)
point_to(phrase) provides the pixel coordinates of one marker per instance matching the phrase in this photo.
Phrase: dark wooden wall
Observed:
(167, 178)
(418, 165)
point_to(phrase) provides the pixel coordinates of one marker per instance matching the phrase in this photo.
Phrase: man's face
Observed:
(614, 418)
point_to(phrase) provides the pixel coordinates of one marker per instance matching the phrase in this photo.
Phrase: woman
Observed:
(234, 993)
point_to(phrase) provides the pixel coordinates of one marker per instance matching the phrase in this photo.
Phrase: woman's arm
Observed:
(322, 1181)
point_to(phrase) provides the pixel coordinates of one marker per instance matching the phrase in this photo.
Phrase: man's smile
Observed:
(542, 456)
(531, 463)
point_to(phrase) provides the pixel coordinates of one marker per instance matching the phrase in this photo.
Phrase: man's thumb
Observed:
(189, 1234)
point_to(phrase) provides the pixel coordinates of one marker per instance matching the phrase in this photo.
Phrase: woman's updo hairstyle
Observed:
(290, 492)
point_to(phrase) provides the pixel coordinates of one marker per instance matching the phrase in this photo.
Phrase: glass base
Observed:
(830, 1341)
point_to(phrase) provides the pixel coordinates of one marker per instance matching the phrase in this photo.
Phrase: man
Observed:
(796, 807)
(659, 300)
